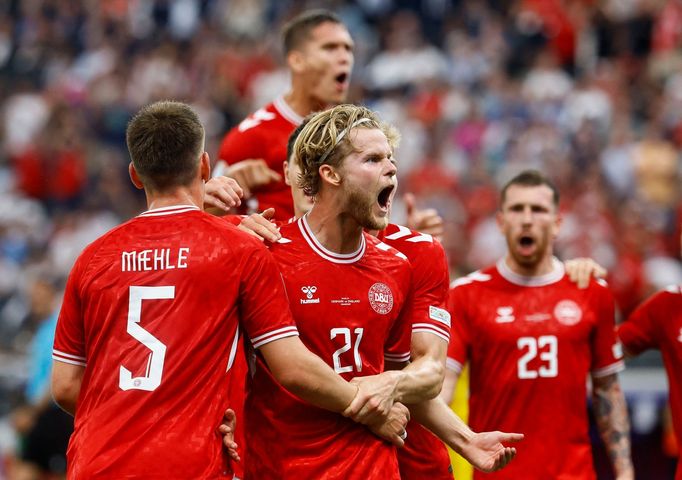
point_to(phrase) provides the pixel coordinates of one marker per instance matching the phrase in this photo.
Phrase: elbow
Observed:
(436, 385)
(292, 380)
(65, 396)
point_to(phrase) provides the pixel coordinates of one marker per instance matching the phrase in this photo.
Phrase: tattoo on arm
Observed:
(611, 415)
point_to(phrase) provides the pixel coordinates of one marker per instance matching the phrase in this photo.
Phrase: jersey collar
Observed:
(325, 253)
(286, 111)
(554, 276)
(172, 210)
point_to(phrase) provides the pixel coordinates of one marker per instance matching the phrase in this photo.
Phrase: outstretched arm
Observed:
(611, 414)
(485, 450)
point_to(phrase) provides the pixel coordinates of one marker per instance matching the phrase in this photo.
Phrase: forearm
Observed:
(306, 375)
(419, 381)
(435, 415)
(611, 416)
(422, 379)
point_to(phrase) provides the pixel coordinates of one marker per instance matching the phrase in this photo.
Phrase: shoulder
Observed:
(474, 280)
(384, 252)
(598, 287)
(253, 127)
(669, 299)
(415, 245)
(227, 235)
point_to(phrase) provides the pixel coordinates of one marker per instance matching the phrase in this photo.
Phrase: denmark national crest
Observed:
(568, 312)
(380, 298)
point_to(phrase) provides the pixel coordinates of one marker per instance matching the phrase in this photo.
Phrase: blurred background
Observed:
(589, 91)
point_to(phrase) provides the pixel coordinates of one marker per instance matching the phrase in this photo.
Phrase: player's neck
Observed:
(177, 196)
(543, 267)
(336, 231)
(302, 103)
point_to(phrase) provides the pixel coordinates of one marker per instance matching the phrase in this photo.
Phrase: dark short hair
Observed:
(165, 140)
(530, 178)
(298, 29)
(294, 135)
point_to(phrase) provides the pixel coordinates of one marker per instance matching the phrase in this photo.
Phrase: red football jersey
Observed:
(657, 323)
(152, 310)
(353, 311)
(264, 134)
(424, 455)
(530, 343)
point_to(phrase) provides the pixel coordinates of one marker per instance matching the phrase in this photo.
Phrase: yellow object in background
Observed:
(460, 404)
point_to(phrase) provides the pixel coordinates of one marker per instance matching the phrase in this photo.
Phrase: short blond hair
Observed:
(324, 140)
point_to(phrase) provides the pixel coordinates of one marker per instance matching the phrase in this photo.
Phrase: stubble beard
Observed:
(359, 206)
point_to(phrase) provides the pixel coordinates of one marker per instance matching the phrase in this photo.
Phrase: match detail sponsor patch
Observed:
(439, 315)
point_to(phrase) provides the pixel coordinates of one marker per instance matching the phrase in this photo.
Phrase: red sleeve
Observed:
(638, 332)
(607, 357)
(264, 309)
(397, 346)
(69, 342)
(431, 281)
(459, 333)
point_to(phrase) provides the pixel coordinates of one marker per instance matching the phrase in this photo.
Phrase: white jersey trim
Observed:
(325, 253)
(554, 276)
(619, 366)
(428, 328)
(69, 361)
(67, 355)
(284, 332)
(286, 111)
(454, 365)
(172, 210)
(397, 357)
(233, 349)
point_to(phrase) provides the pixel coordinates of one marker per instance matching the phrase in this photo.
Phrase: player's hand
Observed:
(252, 174)
(486, 451)
(227, 429)
(221, 194)
(424, 221)
(581, 270)
(260, 225)
(375, 398)
(393, 429)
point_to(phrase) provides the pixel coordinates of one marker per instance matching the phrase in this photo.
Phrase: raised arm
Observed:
(610, 412)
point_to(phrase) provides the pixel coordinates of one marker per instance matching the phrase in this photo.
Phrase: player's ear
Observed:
(330, 175)
(205, 167)
(557, 225)
(134, 177)
(296, 61)
(285, 167)
(499, 219)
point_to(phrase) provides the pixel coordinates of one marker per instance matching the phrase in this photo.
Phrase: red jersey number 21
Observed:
(152, 378)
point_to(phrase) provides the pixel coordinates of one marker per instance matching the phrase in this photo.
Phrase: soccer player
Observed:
(346, 290)
(531, 336)
(150, 319)
(657, 323)
(319, 56)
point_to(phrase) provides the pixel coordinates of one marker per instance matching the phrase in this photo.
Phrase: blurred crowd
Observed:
(589, 91)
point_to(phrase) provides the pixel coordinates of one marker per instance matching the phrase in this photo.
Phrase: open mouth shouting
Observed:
(385, 197)
(341, 81)
(526, 245)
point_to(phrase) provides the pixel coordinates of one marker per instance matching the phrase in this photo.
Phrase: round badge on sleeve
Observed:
(380, 298)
